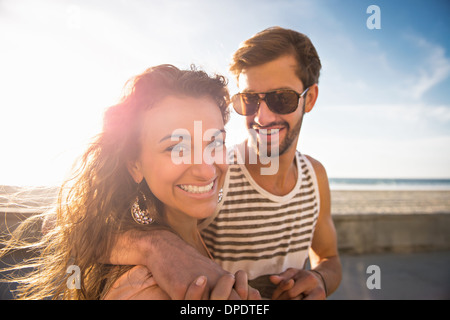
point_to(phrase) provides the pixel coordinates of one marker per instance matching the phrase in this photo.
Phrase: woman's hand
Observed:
(223, 288)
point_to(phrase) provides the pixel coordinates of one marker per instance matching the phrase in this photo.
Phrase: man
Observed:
(269, 220)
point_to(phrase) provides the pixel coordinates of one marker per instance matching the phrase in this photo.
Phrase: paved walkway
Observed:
(420, 276)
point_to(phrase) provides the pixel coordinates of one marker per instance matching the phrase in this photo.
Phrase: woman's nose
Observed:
(204, 170)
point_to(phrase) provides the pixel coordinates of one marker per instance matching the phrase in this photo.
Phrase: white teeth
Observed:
(269, 131)
(197, 189)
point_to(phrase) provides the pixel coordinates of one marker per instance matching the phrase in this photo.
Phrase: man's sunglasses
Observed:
(278, 101)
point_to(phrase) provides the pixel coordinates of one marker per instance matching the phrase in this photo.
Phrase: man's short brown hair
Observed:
(273, 43)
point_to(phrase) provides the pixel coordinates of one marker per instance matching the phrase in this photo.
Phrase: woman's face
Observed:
(183, 156)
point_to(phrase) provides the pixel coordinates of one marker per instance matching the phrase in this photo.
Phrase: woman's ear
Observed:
(134, 168)
(311, 97)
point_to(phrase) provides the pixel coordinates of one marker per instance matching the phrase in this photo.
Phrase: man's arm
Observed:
(173, 263)
(323, 255)
(324, 258)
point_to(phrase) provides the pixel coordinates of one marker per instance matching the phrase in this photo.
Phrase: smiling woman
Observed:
(127, 180)
(184, 188)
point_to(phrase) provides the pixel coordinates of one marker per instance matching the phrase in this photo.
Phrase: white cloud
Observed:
(370, 71)
(434, 70)
(356, 157)
(379, 140)
(415, 113)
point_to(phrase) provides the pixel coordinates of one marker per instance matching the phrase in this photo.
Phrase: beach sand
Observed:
(343, 201)
(390, 202)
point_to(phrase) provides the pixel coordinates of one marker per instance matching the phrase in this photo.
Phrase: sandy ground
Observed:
(394, 202)
(343, 201)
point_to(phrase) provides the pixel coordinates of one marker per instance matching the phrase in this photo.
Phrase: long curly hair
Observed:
(93, 207)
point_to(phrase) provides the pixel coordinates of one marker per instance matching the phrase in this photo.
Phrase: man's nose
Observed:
(264, 115)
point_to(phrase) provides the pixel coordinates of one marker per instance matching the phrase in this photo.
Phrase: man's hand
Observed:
(297, 284)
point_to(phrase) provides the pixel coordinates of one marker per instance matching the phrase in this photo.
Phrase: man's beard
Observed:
(289, 139)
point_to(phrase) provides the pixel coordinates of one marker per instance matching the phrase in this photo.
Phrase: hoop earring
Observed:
(220, 196)
(141, 216)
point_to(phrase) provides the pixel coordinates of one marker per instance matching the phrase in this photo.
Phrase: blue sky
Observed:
(383, 109)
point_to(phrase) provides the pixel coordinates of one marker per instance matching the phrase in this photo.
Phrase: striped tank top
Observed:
(261, 233)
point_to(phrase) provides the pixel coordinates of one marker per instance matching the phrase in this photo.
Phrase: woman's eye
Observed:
(178, 148)
(216, 148)
(217, 144)
(179, 153)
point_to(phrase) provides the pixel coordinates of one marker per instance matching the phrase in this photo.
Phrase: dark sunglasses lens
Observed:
(245, 103)
(282, 102)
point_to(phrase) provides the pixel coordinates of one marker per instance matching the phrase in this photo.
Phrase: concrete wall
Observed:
(374, 233)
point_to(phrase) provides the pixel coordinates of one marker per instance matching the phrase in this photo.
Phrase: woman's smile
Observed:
(199, 189)
(184, 187)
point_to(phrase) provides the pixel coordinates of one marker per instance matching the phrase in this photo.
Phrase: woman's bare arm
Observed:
(174, 263)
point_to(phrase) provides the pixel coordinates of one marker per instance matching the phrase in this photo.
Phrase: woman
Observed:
(159, 161)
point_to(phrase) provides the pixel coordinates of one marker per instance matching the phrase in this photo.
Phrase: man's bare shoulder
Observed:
(322, 182)
(319, 169)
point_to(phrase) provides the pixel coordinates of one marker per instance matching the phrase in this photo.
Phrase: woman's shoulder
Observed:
(136, 284)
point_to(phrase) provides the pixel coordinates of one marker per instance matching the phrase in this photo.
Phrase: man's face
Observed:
(274, 75)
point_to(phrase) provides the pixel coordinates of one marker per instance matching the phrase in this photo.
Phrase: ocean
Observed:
(388, 184)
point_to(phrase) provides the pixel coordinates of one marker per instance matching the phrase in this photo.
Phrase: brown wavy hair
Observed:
(273, 43)
(93, 207)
